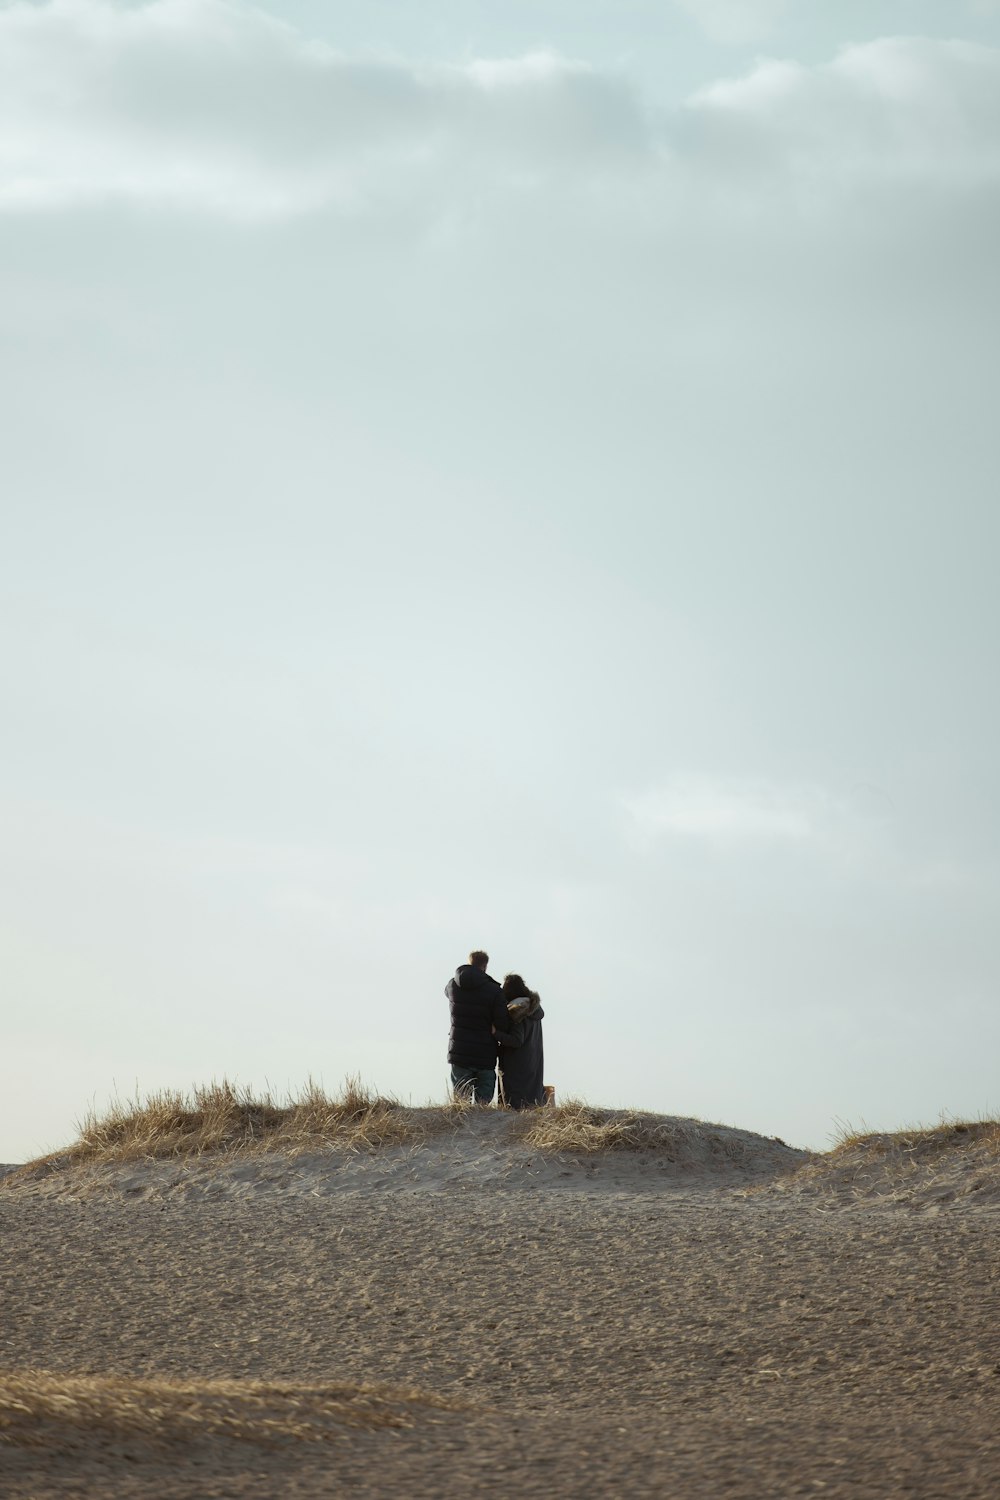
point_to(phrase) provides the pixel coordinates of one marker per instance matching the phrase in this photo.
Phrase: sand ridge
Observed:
(483, 1149)
(486, 1149)
(688, 1328)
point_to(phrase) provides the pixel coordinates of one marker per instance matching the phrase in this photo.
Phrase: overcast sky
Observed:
(509, 475)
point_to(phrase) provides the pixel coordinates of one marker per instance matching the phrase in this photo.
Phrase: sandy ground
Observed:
(630, 1327)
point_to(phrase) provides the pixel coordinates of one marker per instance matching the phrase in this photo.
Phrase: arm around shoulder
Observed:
(512, 1036)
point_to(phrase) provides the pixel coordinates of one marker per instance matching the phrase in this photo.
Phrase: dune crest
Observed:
(226, 1144)
(922, 1168)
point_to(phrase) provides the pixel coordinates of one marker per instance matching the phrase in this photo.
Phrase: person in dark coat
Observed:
(478, 1009)
(522, 1060)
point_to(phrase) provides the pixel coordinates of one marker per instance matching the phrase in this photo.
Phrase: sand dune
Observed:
(479, 1149)
(492, 1149)
(921, 1169)
(669, 1309)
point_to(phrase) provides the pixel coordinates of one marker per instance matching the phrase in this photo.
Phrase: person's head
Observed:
(514, 988)
(478, 959)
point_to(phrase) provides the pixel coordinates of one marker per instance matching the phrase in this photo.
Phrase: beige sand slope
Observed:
(667, 1309)
(451, 1150)
(576, 1149)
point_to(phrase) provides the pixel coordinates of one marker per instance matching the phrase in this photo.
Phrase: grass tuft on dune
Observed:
(42, 1410)
(924, 1165)
(223, 1118)
(578, 1128)
(922, 1140)
(222, 1122)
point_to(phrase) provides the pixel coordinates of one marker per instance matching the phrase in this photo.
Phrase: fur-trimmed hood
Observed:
(529, 1005)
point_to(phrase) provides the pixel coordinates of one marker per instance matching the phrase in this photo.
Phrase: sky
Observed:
(509, 476)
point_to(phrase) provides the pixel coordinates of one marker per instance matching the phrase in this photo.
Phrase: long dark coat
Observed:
(522, 1059)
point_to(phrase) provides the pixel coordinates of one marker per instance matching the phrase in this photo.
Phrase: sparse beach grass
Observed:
(940, 1162)
(39, 1409)
(222, 1123)
(925, 1140)
(224, 1119)
(576, 1127)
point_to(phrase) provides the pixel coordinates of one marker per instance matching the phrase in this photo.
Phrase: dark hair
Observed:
(515, 988)
(478, 958)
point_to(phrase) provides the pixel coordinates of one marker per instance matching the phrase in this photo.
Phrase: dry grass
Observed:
(921, 1165)
(923, 1140)
(578, 1129)
(223, 1119)
(56, 1412)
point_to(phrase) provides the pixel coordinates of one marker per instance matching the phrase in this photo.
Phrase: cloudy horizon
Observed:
(518, 480)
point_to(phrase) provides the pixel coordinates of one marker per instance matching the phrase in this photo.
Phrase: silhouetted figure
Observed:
(522, 1060)
(477, 1006)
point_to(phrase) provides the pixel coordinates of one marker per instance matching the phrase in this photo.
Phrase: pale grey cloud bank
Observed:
(703, 808)
(470, 500)
(218, 108)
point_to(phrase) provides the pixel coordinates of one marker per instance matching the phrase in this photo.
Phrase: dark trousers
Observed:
(474, 1083)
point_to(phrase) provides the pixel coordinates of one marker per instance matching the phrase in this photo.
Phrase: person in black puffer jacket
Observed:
(522, 1059)
(477, 1006)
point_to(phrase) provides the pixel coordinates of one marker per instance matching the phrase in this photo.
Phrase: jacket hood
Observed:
(525, 1009)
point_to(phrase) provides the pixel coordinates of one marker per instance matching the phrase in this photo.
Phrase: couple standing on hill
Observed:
(491, 1022)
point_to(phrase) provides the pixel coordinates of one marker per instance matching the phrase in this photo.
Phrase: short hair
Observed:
(478, 958)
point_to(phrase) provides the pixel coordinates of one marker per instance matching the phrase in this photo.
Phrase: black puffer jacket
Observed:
(522, 1059)
(477, 1003)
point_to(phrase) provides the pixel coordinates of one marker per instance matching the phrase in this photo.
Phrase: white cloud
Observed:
(901, 105)
(217, 108)
(731, 811)
(854, 831)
